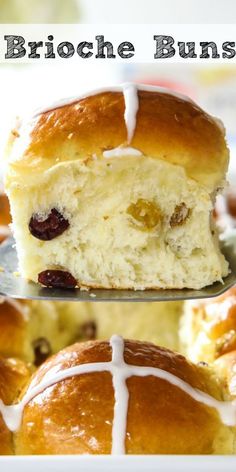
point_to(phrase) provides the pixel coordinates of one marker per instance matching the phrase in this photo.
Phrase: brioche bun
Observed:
(118, 214)
(168, 127)
(75, 415)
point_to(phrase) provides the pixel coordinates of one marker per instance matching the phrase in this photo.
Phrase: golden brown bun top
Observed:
(76, 414)
(168, 127)
(14, 374)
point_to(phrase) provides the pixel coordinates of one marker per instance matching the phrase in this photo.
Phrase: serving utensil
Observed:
(14, 286)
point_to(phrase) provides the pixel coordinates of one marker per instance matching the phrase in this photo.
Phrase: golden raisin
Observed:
(145, 212)
(179, 216)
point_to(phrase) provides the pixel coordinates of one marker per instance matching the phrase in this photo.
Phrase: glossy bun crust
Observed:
(75, 416)
(168, 127)
(13, 376)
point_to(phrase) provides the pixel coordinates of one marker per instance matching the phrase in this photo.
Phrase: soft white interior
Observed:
(104, 245)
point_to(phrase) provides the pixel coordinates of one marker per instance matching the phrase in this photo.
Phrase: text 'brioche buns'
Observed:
(209, 327)
(75, 415)
(115, 190)
(13, 376)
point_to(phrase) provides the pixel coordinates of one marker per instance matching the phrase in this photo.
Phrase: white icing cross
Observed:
(130, 93)
(120, 371)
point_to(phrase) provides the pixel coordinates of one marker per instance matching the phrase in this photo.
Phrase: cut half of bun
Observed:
(116, 190)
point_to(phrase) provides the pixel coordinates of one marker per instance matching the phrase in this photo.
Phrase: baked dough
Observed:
(116, 190)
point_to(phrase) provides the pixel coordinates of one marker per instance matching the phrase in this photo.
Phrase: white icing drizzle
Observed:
(130, 93)
(121, 151)
(120, 371)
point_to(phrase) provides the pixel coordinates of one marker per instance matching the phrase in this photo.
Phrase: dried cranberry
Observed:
(50, 227)
(57, 279)
(42, 349)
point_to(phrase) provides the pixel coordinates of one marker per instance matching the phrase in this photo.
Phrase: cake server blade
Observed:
(12, 285)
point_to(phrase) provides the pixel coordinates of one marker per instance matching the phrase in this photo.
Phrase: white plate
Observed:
(118, 463)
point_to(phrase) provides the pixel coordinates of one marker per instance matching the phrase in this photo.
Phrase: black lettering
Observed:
(33, 49)
(164, 47)
(190, 52)
(205, 54)
(126, 50)
(65, 50)
(100, 48)
(15, 49)
(82, 46)
(229, 51)
(50, 51)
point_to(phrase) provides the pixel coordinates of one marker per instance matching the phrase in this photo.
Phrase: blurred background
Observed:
(24, 87)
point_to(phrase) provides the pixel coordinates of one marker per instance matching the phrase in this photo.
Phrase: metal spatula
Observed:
(14, 286)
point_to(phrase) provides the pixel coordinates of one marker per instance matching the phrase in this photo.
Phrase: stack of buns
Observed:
(73, 403)
(74, 414)
(116, 190)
